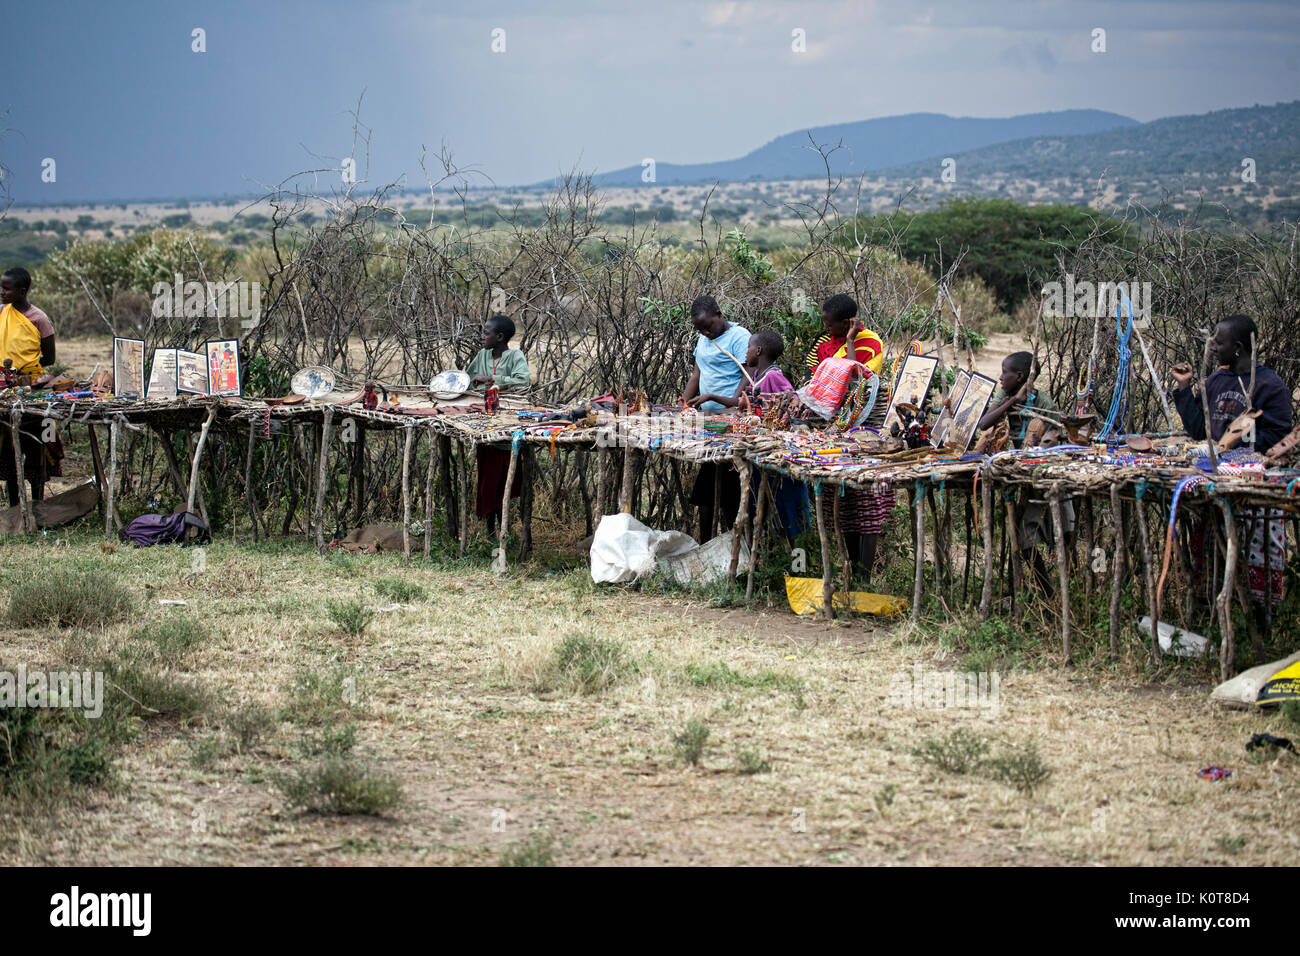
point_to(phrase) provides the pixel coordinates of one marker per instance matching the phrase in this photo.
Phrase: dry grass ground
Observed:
(457, 696)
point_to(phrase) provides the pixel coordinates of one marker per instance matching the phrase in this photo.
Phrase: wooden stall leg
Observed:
(602, 469)
(1062, 571)
(428, 497)
(503, 531)
(828, 588)
(986, 504)
(318, 512)
(918, 514)
(112, 478)
(1019, 592)
(198, 456)
(465, 449)
(1228, 650)
(1149, 579)
(742, 515)
(445, 487)
(760, 517)
(965, 571)
(248, 478)
(629, 476)
(98, 464)
(1117, 566)
(20, 475)
(406, 493)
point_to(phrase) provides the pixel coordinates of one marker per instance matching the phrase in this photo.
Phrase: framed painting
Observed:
(939, 432)
(968, 412)
(191, 372)
(128, 368)
(912, 385)
(162, 375)
(223, 367)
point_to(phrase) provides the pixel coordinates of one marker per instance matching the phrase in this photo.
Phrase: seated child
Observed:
(507, 368)
(1016, 401)
(760, 364)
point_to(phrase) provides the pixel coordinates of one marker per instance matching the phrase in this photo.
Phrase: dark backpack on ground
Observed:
(148, 530)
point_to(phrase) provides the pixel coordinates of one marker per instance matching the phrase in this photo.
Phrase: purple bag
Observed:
(148, 530)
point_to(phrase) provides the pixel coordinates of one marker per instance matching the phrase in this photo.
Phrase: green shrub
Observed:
(587, 665)
(68, 598)
(1290, 711)
(316, 697)
(249, 724)
(1021, 767)
(959, 752)
(752, 762)
(399, 589)
(154, 692)
(45, 755)
(342, 785)
(350, 617)
(535, 851)
(209, 748)
(690, 742)
(172, 637)
(329, 743)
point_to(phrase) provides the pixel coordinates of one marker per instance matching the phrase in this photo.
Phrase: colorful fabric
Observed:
(1265, 574)
(771, 382)
(830, 384)
(719, 374)
(861, 512)
(868, 349)
(493, 465)
(20, 340)
(509, 371)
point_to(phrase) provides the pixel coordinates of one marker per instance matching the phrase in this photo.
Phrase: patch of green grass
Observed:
(399, 589)
(751, 762)
(691, 741)
(721, 675)
(207, 749)
(151, 691)
(45, 756)
(958, 752)
(884, 798)
(1022, 767)
(343, 785)
(537, 850)
(67, 598)
(1290, 712)
(1230, 844)
(329, 743)
(587, 665)
(171, 637)
(349, 616)
(316, 697)
(249, 724)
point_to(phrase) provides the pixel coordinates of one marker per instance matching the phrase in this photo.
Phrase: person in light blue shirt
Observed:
(721, 349)
(719, 354)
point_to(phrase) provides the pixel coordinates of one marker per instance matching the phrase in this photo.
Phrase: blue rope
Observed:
(1118, 411)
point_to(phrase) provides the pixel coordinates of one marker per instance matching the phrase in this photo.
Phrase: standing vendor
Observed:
(27, 341)
(720, 352)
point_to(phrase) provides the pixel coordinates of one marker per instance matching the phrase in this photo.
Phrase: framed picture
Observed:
(223, 367)
(912, 385)
(128, 368)
(941, 424)
(967, 413)
(191, 372)
(162, 375)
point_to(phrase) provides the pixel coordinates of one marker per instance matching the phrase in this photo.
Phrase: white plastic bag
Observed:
(624, 549)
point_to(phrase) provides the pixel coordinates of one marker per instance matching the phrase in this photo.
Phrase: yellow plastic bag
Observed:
(805, 596)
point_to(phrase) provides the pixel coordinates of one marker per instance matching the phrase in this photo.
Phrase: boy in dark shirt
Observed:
(1226, 388)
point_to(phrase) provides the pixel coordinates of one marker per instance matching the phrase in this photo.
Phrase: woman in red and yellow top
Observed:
(862, 513)
(839, 318)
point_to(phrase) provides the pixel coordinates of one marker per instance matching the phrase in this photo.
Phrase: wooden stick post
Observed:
(629, 476)
(318, 512)
(742, 515)
(1117, 565)
(20, 476)
(406, 493)
(760, 518)
(918, 513)
(1228, 650)
(986, 502)
(1062, 570)
(112, 478)
(828, 587)
(198, 455)
(1149, 580)
(504, 530)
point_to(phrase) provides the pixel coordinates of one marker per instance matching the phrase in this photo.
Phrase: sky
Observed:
(116, 95)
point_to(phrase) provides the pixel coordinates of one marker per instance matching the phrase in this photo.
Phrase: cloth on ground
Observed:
(493, 464)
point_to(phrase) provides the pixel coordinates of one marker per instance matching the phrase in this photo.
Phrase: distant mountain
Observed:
(872, 145)
(1164, 153)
